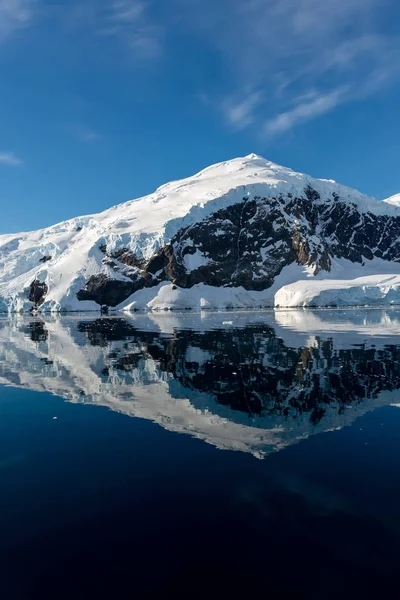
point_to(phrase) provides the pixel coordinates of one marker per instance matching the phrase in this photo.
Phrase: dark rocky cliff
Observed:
(249, 243)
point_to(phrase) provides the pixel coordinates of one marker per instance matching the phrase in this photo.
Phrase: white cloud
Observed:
(305, 112)
(241, 113)
(14, 14)
(10, 159)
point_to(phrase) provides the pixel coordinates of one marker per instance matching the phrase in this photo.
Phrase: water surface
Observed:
(212, 454)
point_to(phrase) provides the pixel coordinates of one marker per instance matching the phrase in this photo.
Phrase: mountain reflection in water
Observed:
(254, 382)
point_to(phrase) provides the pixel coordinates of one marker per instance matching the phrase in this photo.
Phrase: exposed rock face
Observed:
(37, 292)
(245, 245)
(106, 291)
(128, 258)
(249, 243)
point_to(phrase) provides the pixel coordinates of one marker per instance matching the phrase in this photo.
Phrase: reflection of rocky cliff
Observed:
(237, 388)
(251, 371)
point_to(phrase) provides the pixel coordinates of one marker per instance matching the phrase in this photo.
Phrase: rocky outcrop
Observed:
(45, 258)
(248, 244)
(106, 291)
(37, 292)
(128, 258)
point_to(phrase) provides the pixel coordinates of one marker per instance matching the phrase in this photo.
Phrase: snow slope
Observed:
(376, 283)
(394, 200)
(65, 256)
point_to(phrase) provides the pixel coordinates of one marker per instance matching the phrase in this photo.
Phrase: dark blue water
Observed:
(230, 456)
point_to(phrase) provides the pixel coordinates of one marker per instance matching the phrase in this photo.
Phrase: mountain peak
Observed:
(254, 156)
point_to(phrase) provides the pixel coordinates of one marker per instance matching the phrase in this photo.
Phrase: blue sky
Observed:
(104, 100)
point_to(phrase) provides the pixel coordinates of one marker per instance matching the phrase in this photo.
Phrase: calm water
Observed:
(221, 455)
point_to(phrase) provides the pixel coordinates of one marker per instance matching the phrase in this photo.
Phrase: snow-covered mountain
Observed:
(241, 233)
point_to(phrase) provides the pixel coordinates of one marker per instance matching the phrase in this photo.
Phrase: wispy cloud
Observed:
(9, 159)
(133, 24)
(305, 57)
(280, 63)
(129, 22)
(14, 14)
(305, 111)
(240, 112)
